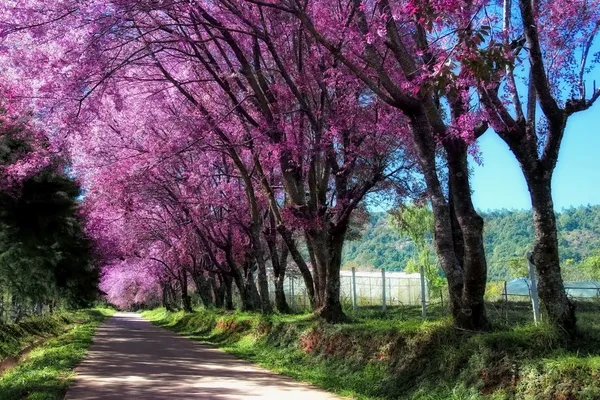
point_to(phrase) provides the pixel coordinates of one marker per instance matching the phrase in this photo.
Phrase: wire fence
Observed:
(364, 289)
(510, 300)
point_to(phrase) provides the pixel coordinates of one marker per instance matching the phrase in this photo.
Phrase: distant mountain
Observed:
(508, 235)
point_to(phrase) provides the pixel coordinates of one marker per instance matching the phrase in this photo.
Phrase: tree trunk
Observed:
(165, 298)
(560, 310)
(238, 279)
(203, 289)
(332, 308)
(444, 240)
(218, 289)
(228, 282)
(279, 266)
(280, 299)
(299, 260)
(457, 236)
(472, 314)
(263, 283)
(316, 243)
(186, 300)
(291, 182)
(253, 297)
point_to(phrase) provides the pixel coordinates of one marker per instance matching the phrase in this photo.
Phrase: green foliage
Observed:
(380, 246)
(47, 370)
(394, 355)
(45, 255)
(518, 267)
(416, 222)
(13, 337)
(590, 267)
(508, 235)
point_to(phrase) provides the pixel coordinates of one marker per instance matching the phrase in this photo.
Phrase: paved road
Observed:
(132, 359)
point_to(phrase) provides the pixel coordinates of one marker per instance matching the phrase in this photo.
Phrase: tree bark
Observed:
(457, 236)
(472, 314)
(218, 289)
(560, 310)
(238, 279)
(279, 265)
(165, 298)
(299, 260)
(263, 283)
(185, 297)
(253, 302)
(280, 300)
(203, 289)
(228, 282)
(523, 143)
(444, 239)
(331, 310)
(315, 243)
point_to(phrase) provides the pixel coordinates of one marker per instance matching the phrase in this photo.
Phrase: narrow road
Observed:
(133, 359)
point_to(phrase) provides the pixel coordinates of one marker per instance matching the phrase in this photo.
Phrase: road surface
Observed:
(133, 359)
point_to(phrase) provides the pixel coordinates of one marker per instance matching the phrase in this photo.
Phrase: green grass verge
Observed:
(46, 372)
(396, 356)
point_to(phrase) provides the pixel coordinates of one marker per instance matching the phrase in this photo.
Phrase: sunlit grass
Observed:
(396, 355)
(47, 370)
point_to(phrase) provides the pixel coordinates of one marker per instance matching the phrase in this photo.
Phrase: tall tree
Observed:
(553, 43)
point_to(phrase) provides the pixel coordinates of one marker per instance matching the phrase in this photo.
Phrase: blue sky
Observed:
(498, 183)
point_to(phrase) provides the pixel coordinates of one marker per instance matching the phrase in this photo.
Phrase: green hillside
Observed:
(508, 236)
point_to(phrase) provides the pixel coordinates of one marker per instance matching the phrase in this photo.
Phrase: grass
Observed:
(394, 355)
(14, 337)
(46, 372)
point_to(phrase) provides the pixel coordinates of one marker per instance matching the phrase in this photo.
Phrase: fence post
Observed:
(423, 300)
(354, 301)
(533, 290)
(384, 306)
(505, 295)
(292, 291)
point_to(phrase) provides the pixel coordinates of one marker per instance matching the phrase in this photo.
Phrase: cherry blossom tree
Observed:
(409, 57)
(302, 108)
(529, 103)
(281, 107)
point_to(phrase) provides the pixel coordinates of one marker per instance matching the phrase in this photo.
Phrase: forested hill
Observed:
(508, 236)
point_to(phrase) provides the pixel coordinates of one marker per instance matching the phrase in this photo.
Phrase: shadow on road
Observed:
(132, 359)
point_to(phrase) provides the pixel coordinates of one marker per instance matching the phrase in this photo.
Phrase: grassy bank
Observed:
(396, 356)
(46, 371)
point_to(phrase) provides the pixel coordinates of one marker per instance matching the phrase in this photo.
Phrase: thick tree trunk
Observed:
(280, 300)
(218, 289)
(277, 225)
(165, 298)
(331, 310)
(253, 297)
(279, 266)
(203, 289)
(538, 171)
(263, 283)
(472, 314)
(238, 279)
(316, 243)
(444, 239)
(228, 283)
(186, 300)
(457, 236)
(255, 228)
(559, 308)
